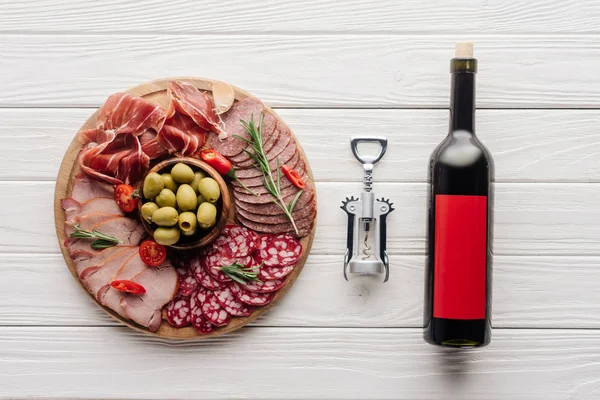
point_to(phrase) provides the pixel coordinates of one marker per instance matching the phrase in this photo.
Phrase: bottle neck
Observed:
(462, 101)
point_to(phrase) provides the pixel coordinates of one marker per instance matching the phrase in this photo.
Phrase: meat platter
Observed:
(177, 266)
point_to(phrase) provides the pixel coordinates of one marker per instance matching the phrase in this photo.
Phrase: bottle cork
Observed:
(464, 50)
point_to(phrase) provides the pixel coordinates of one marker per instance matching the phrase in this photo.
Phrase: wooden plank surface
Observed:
(530, 219)
(529, 292)
(305, 16)
(275, 363)
(392, 71)
(527, 145)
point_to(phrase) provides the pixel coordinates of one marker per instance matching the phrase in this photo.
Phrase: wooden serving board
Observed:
(156, 91)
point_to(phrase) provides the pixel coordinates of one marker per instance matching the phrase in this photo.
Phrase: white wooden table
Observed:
(331, 69)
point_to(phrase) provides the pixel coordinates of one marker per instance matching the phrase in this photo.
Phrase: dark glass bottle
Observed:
(458, 280)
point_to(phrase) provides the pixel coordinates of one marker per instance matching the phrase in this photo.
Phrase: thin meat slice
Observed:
(98, 276)
(212, 262)
(124, 113)
(84, 189)
(303, 226)
(179, 312)
(161, 286)
(279, 250)
(284, 158)
(268, 286)
(284, 184)
(150, 145)
(299, 213)
(111, 297)
(202, 325)
(181, 135)
(204, 279)
(188, 283)
(83, 259)
(128, 231)
(231, 304)
(88, 222)
(305, 199)
(250, 298)
(188, 100)
(74, 209)
(274, 273)
(212, 311)
(257, 181)
(245, 110)
(264, 198)
(236, 241)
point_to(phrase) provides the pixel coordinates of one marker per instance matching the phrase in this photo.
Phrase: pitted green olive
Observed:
(198, 176)
(169, 182)
(209, 189)
(166, 198)
(147, 210)
(153, 184)
(165, 216)
(186, 198)
(187, 223)
(166, 236)
(207, 215)
(182, 173)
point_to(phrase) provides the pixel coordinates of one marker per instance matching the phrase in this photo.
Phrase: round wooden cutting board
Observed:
(156, 92)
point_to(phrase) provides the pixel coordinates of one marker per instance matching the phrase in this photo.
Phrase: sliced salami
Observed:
(212, 311)
(212, 261)
(274, 273)
(252, 299)
(264, 287)
(208, 282)
(231, 304)
(199, 322)
(179, 312)
(187, 283)
(279, 251)
(236, 241)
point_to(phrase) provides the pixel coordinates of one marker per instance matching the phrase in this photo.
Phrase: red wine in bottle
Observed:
(458, 281)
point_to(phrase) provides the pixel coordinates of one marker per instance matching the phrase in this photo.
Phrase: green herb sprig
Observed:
(101, 240)
(241, 273)
(258, 154)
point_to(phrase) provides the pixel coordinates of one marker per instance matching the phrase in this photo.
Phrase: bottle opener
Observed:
(366, 253)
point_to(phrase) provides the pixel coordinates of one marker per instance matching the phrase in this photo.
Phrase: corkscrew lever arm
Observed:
(368, 161)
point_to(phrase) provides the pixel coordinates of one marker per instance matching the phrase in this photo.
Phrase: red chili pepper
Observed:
(293, 176)
(128, 286)
(217, 161)
(222, 165)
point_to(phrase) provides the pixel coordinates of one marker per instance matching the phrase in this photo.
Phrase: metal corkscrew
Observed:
(366, 241)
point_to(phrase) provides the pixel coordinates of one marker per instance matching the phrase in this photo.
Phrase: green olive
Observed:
(201, 199)
(169, 182)
(166, 198)
(198, 176)
(182, 173)
(147, 211)
(207, 215)
(187, 223)
(209, 189)
(186, 198)
(166, 236)
(153, 184)
(165, 216)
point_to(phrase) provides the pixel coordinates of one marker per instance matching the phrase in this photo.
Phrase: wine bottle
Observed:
(458, 281)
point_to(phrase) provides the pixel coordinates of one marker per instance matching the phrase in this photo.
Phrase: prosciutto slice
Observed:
(181, 135)
(124, 113)
(188, 100)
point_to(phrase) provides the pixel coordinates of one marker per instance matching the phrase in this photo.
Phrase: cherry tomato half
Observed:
(152, 253)
(128, 286)
(125, 198)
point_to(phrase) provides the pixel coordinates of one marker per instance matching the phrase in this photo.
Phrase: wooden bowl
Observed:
(223, 205)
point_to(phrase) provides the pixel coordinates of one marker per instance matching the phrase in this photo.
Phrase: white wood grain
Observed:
(540, 219)
(267, 363)
(533, 71)
(527, 145)
(306, 16)
(528, 292)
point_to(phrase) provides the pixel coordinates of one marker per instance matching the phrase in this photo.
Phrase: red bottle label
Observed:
(459, 281)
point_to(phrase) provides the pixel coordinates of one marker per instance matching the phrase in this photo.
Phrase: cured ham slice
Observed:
(74, 209)
(188, 100)
(150, 145)
(85, 189)
(98, 276)
(181, 135)
(124, 113)
(83, 260)
(127, 230)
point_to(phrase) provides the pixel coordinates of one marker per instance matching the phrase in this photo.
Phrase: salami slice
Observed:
(274, 273)
(236, 241)
(212, 311)
(199, 322)
(231, 304)
(208, 282)
(279, 251)
(264, 287)
(212, 261)
(252, 299)
(187, 283)
(179, 312)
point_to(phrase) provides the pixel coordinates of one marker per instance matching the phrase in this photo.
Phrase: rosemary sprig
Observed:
(261, 160)
(101, 240)
(241, 273)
